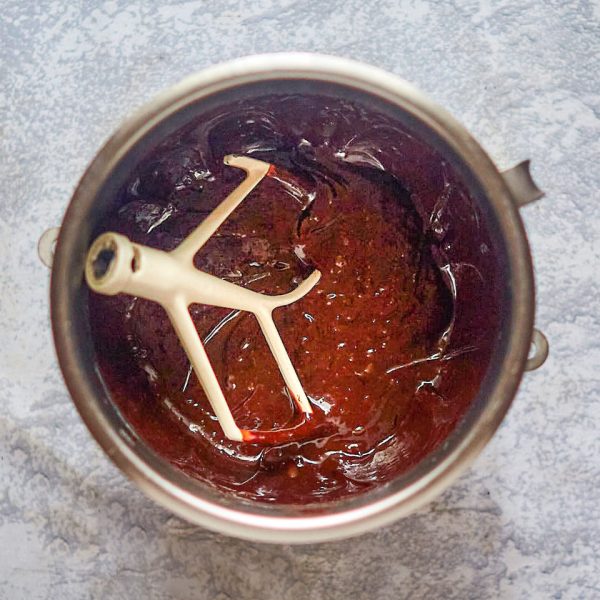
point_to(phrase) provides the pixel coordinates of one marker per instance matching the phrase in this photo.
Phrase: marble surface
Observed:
(524, 521)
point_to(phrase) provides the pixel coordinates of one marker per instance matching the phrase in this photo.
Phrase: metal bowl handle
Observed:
(539, 351)
(46, 246)
(519, 181)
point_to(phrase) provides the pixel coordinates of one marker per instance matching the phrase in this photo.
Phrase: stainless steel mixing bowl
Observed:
(500, 194)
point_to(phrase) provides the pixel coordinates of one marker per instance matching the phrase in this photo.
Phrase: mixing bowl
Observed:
(499, 195)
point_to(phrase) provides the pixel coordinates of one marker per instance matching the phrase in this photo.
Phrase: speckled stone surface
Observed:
(524, 521)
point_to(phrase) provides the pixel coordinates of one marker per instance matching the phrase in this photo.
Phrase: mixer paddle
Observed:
(116, 265)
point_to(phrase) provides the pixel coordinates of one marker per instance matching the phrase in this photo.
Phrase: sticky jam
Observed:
(392, 344)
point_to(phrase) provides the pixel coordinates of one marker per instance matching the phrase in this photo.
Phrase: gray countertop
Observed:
(524, 521)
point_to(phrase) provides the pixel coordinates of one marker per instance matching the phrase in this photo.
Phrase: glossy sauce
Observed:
(391, 345)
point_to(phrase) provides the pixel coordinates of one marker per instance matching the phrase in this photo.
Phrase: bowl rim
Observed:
(321, 527)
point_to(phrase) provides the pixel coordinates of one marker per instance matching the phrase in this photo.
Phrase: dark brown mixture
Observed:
(391, 345)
